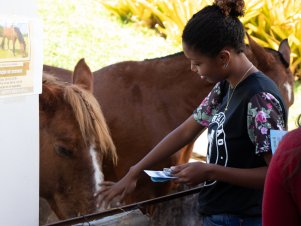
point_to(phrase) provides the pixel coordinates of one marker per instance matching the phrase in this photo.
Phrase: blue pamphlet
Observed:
(276, 136)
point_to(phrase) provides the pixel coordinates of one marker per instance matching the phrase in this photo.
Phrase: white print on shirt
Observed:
(221, 157)
(210, 139)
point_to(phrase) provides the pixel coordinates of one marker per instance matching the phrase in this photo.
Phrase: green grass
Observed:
(8, 53)
(5, 54)
(75, 29)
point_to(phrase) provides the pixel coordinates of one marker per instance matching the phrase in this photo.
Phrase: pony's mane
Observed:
(87, 113)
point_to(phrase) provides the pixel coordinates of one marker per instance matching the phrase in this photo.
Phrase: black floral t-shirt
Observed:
(237, 137)
(264, 113)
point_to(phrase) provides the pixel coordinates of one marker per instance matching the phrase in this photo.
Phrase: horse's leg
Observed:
(2, 43)
(22, 49)
(7, 43)
(14, 43)
(23, 46)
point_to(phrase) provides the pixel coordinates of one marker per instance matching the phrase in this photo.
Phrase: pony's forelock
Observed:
(89, 116)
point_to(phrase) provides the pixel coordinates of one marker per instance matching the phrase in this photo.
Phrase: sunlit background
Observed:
(75, 29)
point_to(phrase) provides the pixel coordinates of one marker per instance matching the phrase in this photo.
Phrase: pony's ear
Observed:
(285, 51)
(264, 59)
(83, 76)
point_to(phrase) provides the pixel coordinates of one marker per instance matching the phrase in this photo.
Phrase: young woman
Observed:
(282, 191)
(239, 112)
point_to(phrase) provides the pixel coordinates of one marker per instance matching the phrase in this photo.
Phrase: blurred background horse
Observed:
(143, 101)
(13, 34)
(74, 138)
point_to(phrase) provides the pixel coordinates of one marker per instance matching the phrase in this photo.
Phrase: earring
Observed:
(226, 65)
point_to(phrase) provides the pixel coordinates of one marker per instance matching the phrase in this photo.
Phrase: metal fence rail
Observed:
(96, 216)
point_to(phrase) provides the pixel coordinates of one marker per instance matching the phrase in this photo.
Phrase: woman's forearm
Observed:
(173, 142)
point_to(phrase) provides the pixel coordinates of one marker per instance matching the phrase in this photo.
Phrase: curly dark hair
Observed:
(216, 27)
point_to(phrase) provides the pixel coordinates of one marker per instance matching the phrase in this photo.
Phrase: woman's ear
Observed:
(224, 58)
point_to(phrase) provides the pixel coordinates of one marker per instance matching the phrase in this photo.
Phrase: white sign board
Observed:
(20, 85)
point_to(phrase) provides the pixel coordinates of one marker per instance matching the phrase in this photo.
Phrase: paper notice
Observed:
(276, 136)
(16, 76)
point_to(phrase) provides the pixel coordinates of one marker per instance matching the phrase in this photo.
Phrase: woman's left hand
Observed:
(191, 173)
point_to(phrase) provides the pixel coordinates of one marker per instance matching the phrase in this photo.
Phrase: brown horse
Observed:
(74, 138)
(143, 101)
(13, 33)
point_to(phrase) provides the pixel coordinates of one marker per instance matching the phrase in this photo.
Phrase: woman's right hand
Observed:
(178, 138)
(110, 190)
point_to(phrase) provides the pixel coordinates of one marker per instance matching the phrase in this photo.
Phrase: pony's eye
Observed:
(64, 152)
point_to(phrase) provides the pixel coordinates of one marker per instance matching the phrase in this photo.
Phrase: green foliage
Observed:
(268, 21)
(279, 20)
(294, 110)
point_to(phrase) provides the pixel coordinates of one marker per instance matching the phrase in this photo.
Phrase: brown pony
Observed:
(143, 101)
(13, 33)
(74, 138)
